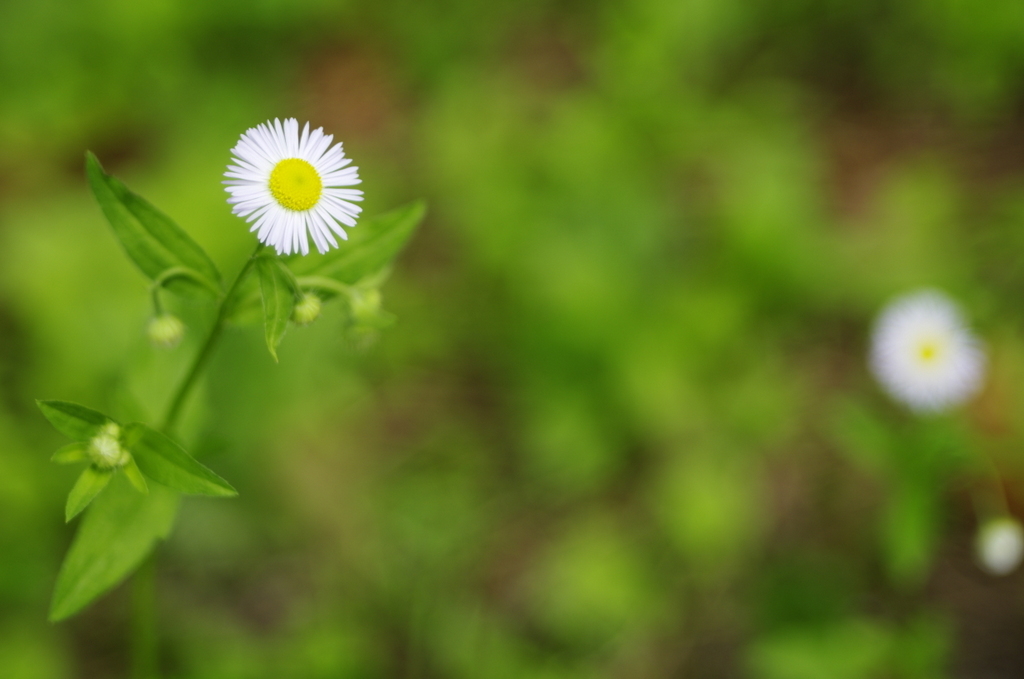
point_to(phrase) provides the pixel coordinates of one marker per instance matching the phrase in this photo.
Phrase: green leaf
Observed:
(164, 461)
(278, 287)
(371, 245)
(115, 535)
(134, 474)
(71, 453)
(151, 239)
(74, 421)
(88, 486)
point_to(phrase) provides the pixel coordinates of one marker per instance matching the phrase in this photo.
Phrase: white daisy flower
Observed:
(924, 355)
(288, 185)
(1000, 546)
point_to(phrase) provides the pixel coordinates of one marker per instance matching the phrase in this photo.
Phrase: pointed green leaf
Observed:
(150, 238)
(88, 486)
(134, 474)
(278, 288)
(74, 421)
(164, 461)
(113, 538)
(71, 453)
(371, 246)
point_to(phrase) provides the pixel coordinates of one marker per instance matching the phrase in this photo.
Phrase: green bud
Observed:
(366, 304)
(307, 310)
(165, 331)
(105, 449)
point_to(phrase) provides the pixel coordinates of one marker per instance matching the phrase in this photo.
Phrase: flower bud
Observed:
(366, 304)
(1000, 545)
(307, 310)
(105, 449)
(165, 331)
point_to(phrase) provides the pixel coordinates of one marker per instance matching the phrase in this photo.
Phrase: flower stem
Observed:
(145, 658)
(226, 304)
(144, 640)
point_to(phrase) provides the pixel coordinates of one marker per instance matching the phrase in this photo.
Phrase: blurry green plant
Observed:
(136, 471)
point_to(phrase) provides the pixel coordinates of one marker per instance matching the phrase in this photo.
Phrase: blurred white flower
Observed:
(1000, 546)
(288, 184)
(924, 355)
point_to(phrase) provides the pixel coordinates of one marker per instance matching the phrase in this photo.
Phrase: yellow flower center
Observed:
(928, 351)
(295, 184)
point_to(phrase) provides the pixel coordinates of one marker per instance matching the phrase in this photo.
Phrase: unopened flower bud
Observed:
(105, 449)
(1000, 546)
(366, 304)
(165, 331)
(307, 310)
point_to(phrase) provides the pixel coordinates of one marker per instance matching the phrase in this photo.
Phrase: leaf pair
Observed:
(158, 246)
(372, 246)
(147, 453)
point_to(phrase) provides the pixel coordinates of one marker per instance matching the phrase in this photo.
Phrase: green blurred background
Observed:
(623, 427)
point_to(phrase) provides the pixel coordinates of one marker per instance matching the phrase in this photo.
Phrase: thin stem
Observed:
(145, 659)
(144, 640)
(174, 410)
(158, 308)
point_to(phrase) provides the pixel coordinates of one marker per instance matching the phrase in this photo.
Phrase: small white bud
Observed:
(307, 310)
(105, 449)
(1000, 546)
(165, 331)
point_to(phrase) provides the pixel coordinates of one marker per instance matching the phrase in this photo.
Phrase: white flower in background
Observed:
(288, 184)
(1000, 546)
(924, 355)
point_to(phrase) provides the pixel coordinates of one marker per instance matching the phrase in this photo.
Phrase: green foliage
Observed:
(158, 246)
(88, 486)
(119, 531)
(70, 454)
(115, 536)
(853, 649)
(164, 461)
(74, 421)
(354, 272)
(911, 528)
(593, 584)
(660, 232)
(370, 247)
(709, 506)
(278, 289)
(134, 475)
